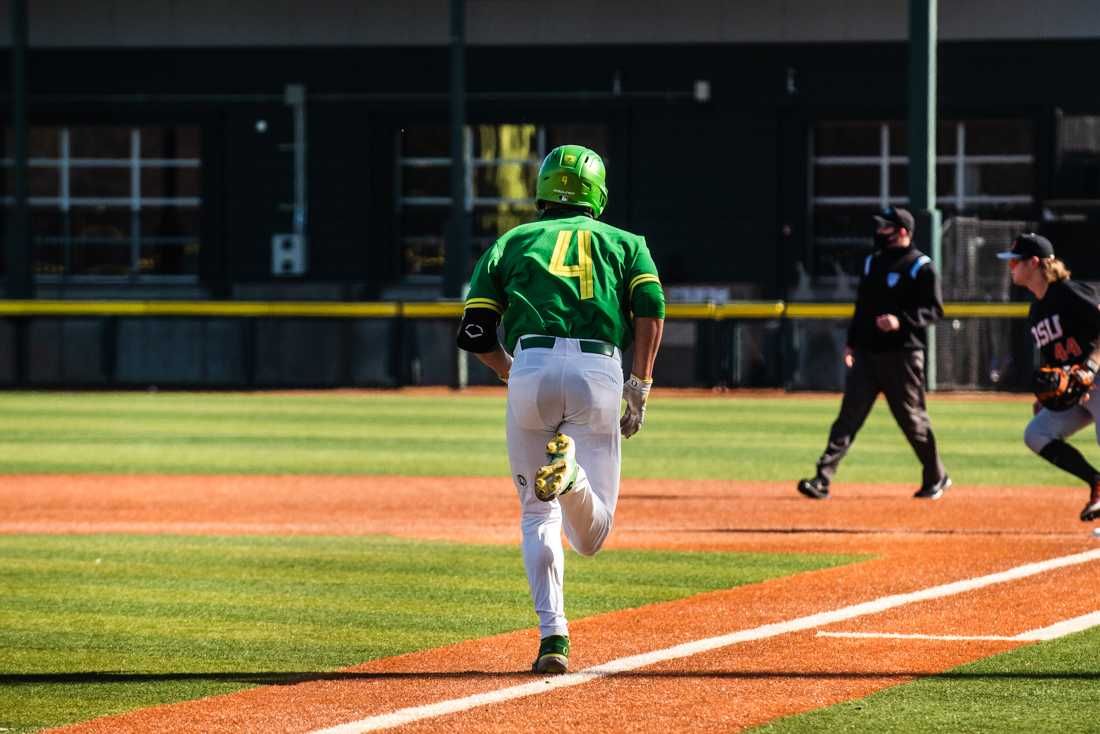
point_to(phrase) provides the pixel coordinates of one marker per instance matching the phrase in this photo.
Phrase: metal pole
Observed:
(922, 142)
(458, 235)
(295, 97)
(18, 251)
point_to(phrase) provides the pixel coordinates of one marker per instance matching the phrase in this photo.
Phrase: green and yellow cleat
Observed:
(553, 655)
(560, 473)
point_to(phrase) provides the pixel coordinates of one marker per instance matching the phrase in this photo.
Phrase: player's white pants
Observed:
(1049, 425)
(577, 393)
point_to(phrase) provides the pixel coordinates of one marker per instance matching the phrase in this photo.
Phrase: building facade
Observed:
(177, 148)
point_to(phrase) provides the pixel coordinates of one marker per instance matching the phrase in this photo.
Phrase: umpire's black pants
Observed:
(900, 377)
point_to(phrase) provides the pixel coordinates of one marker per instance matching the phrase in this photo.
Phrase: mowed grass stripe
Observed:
(1050, 687)
(729, 438)
(105, 623)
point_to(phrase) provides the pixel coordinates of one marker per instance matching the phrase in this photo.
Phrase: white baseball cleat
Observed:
(559, 474)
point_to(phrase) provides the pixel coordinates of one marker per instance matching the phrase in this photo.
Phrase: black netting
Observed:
(969, 268)
(983, 354)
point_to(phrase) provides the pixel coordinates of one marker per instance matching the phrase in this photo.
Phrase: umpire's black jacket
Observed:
(900, 281)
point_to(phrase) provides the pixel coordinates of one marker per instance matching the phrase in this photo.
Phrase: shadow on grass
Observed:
(292, 677)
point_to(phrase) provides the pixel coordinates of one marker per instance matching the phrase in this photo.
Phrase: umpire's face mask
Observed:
(884, 236)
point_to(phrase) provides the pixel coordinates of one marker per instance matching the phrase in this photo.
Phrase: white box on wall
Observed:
(288, 254)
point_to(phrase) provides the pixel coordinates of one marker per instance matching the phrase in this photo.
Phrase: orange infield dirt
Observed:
(971, 532)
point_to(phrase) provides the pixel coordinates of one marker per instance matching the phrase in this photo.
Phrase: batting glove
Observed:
(1083, 377)
(635, 393)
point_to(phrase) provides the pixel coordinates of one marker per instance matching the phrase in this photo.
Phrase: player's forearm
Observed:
(1093, 358)
(647, 340)
(498, 361)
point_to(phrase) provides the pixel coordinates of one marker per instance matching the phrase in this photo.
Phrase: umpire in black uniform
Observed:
(899, 296)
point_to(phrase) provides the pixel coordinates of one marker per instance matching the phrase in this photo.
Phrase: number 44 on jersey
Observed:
(1050, 330)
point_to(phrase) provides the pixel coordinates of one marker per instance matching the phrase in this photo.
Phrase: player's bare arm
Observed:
(1084, 374)
(647, 340)
(1092, 362)
(499, 361)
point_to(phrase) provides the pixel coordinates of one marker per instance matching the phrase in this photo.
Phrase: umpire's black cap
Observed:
(1029, 244)
(895, 217)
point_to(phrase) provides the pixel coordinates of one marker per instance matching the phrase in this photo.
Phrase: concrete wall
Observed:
(58, 23)
(234, 353)
(215, 352)
(238, 353)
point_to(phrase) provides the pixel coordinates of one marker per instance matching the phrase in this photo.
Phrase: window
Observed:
(502, 163)
(1077, 166)
(114, 203)
(1071, 215)
(983, 168)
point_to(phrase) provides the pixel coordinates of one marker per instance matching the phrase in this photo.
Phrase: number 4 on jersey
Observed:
(583, 268)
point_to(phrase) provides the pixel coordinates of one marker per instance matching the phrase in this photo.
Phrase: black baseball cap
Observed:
(896, 217)
(1028, 244)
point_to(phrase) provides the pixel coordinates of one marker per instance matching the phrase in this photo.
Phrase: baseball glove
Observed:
(1060, 388)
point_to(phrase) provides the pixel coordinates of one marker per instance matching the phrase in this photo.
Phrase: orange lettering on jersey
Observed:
(1059, 352)
(1073, 347)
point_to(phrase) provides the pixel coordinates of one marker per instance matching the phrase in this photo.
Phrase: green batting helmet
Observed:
(574, 175)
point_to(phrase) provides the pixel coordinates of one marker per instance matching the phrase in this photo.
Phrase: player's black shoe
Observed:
(553, 655)
(816, 488)
(1092, 509)
(934, 490)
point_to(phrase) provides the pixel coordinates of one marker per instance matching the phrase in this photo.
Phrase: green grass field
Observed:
(1053, 687)
(91, 625)
(379, 433)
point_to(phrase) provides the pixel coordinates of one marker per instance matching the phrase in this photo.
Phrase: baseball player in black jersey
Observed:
(898, 297)
(1065, 323)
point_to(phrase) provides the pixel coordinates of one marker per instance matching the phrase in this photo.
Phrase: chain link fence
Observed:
(980, 353)
(984, 353)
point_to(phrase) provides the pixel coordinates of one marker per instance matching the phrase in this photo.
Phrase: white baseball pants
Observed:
(1048, 425)
(567, 390)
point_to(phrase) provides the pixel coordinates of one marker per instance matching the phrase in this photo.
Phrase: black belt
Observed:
(590, 346)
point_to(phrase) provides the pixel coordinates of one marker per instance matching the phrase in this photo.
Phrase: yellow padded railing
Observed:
(453, 309)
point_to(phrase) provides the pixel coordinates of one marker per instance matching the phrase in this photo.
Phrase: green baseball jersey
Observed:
(570, 276)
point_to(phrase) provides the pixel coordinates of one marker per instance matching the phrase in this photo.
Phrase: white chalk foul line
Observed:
(1054, 631)
(905, 636)
(1061, 629)
(633, 662)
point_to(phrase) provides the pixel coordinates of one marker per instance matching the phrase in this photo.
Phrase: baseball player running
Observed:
(1065, 323)
(572, 293)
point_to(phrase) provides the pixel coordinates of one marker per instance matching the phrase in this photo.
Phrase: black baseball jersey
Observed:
(1065, 323)
(901, 281)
